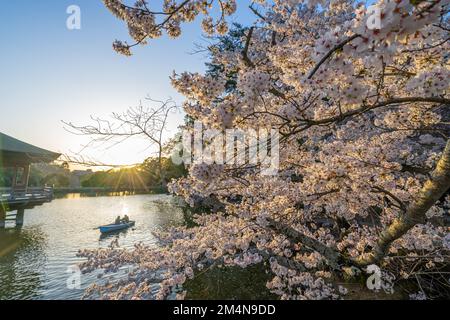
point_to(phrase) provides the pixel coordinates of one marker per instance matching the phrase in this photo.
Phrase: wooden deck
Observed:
(32, 197)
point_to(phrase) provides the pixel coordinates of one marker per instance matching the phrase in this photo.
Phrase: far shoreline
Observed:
(60, 193)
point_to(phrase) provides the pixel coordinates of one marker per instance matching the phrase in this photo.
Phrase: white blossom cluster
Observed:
(430, 83)
(253, 84)
(194, 86)
(205, 172)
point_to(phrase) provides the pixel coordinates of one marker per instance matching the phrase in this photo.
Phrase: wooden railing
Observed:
(30, 193)
(5, 193)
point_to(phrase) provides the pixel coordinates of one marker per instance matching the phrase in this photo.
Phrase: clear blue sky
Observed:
(49, 73)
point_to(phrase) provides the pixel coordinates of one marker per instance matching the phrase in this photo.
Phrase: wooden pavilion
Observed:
(18, 156)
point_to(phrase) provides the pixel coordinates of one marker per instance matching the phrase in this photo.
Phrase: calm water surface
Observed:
(35, 260)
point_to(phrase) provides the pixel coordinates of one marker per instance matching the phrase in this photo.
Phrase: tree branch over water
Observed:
(149, 122)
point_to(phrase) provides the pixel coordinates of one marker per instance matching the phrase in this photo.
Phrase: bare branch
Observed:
(148, 122)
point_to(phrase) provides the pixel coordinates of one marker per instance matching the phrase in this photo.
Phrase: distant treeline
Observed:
(142, 177)
(139, 177)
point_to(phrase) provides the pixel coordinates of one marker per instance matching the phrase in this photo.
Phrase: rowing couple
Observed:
(120, 220)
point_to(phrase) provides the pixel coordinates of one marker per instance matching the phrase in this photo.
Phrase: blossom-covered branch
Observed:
(144, 23)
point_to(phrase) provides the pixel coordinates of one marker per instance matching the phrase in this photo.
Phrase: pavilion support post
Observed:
(20, 216)
(14, 181)
(20, 180)
(26, 176)
(2, 217)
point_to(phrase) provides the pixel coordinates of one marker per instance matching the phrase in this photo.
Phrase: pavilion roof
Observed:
(14, 151)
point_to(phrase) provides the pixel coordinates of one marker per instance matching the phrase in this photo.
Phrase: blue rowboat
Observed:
(115, 227)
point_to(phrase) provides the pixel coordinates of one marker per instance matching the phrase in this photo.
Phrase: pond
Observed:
(37, 260)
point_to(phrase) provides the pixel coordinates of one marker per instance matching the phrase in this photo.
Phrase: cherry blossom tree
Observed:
(364, 172)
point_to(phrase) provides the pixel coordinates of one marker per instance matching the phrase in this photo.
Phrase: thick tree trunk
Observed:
(433, 189)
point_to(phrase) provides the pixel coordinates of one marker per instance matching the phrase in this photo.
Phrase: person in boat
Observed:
(125, 219)
(118, 220)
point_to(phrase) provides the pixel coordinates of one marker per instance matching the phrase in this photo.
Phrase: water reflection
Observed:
(34, 260)
(114, 234)
(22, 261)
(94, 193)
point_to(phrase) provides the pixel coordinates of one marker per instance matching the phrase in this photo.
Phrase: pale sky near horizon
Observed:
(49, 73)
